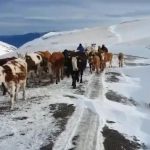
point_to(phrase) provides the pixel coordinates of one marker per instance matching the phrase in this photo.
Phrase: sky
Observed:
(24, 16)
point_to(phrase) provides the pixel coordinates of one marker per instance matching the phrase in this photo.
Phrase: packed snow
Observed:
(118, 95)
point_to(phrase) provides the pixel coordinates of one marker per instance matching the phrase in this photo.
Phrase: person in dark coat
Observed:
(104, 48)
(80, 48)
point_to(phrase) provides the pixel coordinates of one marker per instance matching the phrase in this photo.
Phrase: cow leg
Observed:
(110, 64)
(74, 79)
(90, 67)
(103, 66)
(57, 76)
(81, 73)
(24, 92)
(12, 95)
(17, 87)
(77, 76)
(39, 70)
(121, 64)
(51, 78)
(50, 71)
(62, 73)
(4, 89)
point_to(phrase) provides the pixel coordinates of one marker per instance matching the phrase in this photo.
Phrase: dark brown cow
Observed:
(120, 59)
(13, 74)
(75, 63)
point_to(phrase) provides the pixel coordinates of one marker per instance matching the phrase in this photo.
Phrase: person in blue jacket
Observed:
(80, 48)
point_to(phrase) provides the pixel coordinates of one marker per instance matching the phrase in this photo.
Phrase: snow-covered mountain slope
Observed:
(134, 32)
(6, 48)
(70, 39)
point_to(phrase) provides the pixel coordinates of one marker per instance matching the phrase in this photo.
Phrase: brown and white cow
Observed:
(14, 74)
(2, 62)
(37, 63)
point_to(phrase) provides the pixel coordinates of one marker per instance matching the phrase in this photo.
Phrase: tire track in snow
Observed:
(95, 91)
(83, 131)
(71, 129)
(83, 125)
(87, 131)
(95, 88)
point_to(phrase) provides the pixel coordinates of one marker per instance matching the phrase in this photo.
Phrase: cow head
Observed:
(29, 60)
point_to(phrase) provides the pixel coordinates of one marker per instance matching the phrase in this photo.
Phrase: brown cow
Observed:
(46, 55)
(107, 58)
(14, 74)
(56, 66)
(37, 63)
(95, 63)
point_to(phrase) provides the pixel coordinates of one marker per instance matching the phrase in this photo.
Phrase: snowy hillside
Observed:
(132, 33)
(6, 48)
(108, 111)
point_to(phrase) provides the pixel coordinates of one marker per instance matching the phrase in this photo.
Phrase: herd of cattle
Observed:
(16, 72)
